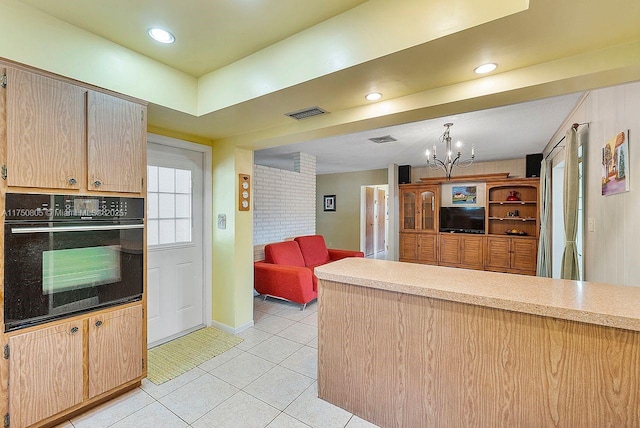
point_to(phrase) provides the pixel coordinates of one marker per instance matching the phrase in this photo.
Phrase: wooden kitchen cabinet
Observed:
(47, 366)
(115, 134)
(115, 351)
(45, 372)
(62, 135)
(512, 254)
(462, 250)
(45, 131)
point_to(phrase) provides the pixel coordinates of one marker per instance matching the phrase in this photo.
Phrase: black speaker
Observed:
(404, 174)
(533, 165)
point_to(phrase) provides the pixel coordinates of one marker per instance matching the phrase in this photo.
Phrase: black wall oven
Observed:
(69, 254)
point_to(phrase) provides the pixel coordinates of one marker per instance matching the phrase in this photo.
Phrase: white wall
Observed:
(284, 202)
(611, 250)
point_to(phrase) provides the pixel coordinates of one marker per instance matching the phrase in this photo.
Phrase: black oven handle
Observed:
(75, 228)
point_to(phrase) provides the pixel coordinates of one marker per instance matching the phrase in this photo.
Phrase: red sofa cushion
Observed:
(284, 253)
(313, 249)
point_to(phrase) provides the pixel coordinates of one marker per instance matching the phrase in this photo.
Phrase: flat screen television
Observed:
(462, 219)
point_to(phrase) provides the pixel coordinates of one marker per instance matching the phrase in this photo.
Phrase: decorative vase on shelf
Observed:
(513, 196)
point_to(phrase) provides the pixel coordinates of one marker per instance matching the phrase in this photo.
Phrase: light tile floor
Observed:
(268, 380)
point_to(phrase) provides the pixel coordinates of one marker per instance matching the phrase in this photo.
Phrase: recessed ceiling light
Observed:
(485, 68)
(162, 36)
(373, 96)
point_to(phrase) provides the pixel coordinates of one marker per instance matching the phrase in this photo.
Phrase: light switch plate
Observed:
(591, 224)
(222, 221)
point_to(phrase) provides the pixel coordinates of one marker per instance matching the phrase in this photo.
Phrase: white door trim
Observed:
(207, 215)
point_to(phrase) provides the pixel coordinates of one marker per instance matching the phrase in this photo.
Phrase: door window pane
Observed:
(169, 216)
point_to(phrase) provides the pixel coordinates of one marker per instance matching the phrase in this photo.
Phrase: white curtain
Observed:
(544, 245)
(570, 267)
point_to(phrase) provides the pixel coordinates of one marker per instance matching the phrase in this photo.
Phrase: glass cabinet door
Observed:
(408, 210)
(428, 207)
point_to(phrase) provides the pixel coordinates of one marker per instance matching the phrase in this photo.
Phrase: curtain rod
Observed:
(574, 126)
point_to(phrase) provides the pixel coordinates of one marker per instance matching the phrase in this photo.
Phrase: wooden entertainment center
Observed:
(509, 242)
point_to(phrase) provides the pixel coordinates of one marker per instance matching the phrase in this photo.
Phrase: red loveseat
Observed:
(287, 269)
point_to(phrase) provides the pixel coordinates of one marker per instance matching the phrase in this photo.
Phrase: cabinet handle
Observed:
(97, 183)
(72, 181)
(73, 330)
(98, 323)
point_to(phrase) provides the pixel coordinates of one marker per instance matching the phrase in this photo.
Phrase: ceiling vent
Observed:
(305, 113)
(385, 139)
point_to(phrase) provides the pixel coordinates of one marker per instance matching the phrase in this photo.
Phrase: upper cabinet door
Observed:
(428, 210)
(115, 130)
(45, 132)
(408, 210)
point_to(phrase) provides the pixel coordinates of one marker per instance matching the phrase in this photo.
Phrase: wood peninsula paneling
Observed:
(401, 360)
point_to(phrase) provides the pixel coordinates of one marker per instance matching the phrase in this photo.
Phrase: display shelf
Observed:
(503, 213)
(513, 218)
(513, 202)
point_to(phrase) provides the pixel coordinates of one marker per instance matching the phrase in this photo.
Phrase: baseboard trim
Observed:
(232, 330)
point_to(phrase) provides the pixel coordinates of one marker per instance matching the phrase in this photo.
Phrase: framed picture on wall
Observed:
(464, 194)
(329, 202)
(615, 164)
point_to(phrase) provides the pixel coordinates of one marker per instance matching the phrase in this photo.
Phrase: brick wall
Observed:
(284, 202)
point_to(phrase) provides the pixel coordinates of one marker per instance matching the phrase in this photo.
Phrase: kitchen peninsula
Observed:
(406, 345)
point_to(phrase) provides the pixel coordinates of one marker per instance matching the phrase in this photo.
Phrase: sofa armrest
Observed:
(288, 282)
(341, 254)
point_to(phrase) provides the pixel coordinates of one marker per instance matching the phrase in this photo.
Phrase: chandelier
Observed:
(449, 161)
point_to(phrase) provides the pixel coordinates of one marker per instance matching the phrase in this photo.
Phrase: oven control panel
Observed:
(34, 207)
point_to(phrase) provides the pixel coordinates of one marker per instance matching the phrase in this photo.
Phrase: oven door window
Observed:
(64, 270)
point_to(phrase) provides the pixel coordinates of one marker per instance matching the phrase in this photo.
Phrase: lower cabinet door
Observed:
(428, 248)
(498, 253)
(408, 246)
(524, 254)
(45, 373)
(449, 248)
(115, 349)
(472, 251)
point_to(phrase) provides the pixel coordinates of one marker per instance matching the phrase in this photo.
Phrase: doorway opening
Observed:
(374, 221)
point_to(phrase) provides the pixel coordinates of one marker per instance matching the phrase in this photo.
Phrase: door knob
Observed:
(72, 181)
(73, 330)
(98, 323)
(97, 183)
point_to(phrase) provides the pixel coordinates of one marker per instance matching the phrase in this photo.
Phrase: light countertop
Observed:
(594, 303)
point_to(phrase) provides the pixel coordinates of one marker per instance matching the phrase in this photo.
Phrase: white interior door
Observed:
(175, 292)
